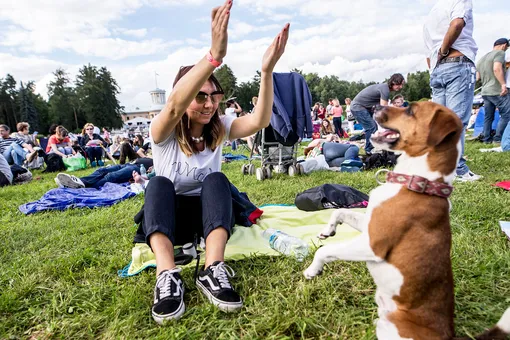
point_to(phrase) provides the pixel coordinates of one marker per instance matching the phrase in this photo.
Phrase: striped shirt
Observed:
(6, 142)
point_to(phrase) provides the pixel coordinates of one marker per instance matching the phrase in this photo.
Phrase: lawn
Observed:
(58, 270)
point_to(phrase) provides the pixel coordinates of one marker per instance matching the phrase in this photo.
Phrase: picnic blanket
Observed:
(63, 198)
(249, 241)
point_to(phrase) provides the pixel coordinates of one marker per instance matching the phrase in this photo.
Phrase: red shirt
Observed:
(55, 141)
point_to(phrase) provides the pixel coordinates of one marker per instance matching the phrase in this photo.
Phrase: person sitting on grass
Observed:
(190, 197)
(138, 142)
(92, 143)
(119, 174)
(15, 150)
(13, 174)
(327, 131)
(60, 143)
(23, 134)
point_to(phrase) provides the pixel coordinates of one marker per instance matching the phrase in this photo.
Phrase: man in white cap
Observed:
(491, 70)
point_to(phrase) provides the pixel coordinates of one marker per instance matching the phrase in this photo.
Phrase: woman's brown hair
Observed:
(326, 130)
(22, 126)
(214, 131)
(126, 151)
(138, 141)
(61, 132)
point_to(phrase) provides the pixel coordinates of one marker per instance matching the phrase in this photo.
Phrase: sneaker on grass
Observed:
(69, 181)
(213, 282)
(168, 296)
(468, 177)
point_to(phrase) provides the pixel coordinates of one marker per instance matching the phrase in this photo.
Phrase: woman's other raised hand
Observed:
(219, 25)
(275, 50)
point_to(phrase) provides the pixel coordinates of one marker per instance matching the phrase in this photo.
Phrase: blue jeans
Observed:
(113, 174)
(180, 217)
(490, 103)
(66, 150)
(369, 125)
(453, 86)
(15, 154)
(95, 153)
(505, 140)
(336, 153)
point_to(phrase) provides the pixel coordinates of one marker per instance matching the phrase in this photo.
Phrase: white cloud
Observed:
(363, 39)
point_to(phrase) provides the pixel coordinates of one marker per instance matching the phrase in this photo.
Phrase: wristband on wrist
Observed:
(444, 54)
(213, 61)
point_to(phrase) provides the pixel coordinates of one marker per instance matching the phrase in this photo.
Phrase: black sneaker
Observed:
(215, 285)
(168, 296)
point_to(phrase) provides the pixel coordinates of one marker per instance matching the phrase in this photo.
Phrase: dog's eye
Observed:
(409, 111)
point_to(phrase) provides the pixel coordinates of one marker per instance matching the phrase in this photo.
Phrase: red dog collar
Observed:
(420, 184)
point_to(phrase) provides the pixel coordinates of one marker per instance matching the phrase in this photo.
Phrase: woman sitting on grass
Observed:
(60, 143)
(92, 143)
(190, 196)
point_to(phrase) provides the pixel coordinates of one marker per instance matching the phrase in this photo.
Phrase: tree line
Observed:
(321, 88)
(92, 97)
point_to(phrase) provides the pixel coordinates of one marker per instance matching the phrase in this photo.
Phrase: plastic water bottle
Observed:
(143, 172)
(286, 244)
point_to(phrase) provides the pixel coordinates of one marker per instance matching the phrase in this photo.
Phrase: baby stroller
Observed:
(290, 122)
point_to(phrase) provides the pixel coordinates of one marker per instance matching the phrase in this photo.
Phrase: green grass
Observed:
(58, 270)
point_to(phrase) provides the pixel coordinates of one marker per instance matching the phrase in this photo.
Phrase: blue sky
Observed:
(363, 39)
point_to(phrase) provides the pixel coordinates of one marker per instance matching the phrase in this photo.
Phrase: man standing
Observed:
(448, 35)
(491, 70)
(377, 94)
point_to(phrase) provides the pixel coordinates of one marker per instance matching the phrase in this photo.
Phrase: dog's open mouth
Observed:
(386, 136)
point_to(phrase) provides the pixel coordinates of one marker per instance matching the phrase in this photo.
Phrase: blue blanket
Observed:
(61, 199)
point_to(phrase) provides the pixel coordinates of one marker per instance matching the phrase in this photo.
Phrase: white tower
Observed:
(158, 97)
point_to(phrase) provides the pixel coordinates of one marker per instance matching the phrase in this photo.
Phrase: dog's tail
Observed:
(500, 331)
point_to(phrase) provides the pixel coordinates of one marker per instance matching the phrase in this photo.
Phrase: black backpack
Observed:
(329, 196)
(54, 163)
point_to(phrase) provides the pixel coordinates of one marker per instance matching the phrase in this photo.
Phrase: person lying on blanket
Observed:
(334, 153)
(121, 173)
(190, 196)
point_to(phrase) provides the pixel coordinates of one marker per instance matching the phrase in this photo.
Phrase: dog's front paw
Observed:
(312, 271)
(330, 230)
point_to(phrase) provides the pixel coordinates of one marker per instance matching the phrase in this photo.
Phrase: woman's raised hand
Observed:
(275, 50)
(219, 25)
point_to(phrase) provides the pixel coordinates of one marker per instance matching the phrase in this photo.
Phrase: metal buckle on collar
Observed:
(414, 185)
(385, 171)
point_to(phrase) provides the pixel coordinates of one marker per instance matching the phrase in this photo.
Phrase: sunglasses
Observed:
(89, 129)
(216, 97)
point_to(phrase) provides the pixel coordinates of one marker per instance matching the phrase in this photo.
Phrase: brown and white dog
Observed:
(406, 236)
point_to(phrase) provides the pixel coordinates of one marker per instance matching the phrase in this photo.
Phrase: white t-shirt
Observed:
(438, 22)
(187, 173)
(231, 112)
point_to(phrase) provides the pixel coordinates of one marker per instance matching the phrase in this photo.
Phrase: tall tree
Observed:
(9, 113)
(417, 86)
(28, 112)
(97, 94)
(227, 79)
(62, 101)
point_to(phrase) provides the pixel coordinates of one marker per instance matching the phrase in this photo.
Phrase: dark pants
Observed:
(367, 121)
(95, 153)
(181, 217)
(490, 103)
(3, 180)
(337, 123)
(113, 174)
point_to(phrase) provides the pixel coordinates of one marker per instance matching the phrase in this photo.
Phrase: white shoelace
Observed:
(165, 284)
(222, 272)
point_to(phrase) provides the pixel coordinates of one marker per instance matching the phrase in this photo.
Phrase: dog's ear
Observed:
(444, 126)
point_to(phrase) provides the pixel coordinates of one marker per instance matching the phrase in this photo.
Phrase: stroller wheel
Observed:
(260, 174)
(244, 169)
(251, 169)
(293, 171)
(267, 172)
(300, 169)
